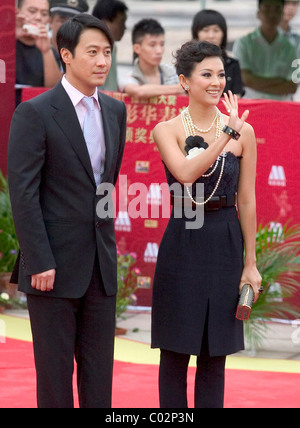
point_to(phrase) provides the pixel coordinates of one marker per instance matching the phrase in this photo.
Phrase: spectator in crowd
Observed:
(114, 14)
(290, 10)
(35, 61)
(60, 11)
(149, 77)
(266, 56)
(211, 26)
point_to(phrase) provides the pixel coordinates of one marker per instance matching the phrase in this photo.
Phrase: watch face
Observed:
(231, 132)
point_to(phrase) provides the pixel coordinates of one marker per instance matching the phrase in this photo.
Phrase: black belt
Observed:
(214, 204)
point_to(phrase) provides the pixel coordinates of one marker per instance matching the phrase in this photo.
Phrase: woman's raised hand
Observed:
(232, 106)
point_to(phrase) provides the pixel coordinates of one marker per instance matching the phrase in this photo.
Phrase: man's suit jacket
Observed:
(53, 193)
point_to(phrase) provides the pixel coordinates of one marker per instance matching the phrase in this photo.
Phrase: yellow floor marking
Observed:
(16, 327)
(130, 351)
(140, 353)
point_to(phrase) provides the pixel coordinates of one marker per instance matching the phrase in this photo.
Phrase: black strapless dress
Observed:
(197, 276)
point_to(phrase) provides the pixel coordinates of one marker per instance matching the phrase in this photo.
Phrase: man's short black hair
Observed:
(20, 3)
(108, 9)
(69, 33)
(146, 26)
(278, 1)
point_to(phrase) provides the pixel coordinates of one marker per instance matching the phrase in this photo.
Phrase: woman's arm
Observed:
(52, 73)
(269, 85)
(247, 208)
(168, 134)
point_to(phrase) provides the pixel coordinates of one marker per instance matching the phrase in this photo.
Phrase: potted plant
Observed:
(8, 240)
(127, 284)
(4, 301)
(278, 261)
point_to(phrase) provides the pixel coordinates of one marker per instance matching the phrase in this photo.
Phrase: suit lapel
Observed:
(66, 118)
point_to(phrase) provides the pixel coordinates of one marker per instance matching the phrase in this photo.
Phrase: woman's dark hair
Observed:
(192, 53)
(69, 33)
(207, 17)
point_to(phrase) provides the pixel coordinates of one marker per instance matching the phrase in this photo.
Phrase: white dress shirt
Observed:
(76, 98)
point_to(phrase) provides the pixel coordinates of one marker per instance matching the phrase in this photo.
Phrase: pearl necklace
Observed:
(202, 131)
(190, 130)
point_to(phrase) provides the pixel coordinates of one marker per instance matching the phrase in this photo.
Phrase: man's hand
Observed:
(42, 41)
(20, 21)
(43, 281)
(40, 36)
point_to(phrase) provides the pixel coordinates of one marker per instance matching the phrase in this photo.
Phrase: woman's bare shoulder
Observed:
(247, 132)
(168, 133)
(168, 125)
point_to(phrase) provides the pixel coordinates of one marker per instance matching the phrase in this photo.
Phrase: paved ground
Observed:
(282, 339)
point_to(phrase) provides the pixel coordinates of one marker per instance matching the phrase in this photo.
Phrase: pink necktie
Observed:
(91, 137)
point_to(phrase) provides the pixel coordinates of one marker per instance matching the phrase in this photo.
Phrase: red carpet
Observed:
(135, 385)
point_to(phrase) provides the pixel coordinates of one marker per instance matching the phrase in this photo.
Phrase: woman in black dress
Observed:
(199, 271)
(210, 26)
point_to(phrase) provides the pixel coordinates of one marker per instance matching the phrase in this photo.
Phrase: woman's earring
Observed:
(186, 88)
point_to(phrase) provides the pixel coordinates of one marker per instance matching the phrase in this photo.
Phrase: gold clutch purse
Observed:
(245, 303)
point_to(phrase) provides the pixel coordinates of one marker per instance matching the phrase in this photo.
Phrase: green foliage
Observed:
(127, 282)
(7, 302)
(8, 240)
(278, 261)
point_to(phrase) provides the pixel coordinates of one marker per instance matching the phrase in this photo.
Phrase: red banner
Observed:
(142, 174)
(7, 74)
(278, 143)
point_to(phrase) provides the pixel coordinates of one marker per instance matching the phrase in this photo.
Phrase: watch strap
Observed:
(231, 132)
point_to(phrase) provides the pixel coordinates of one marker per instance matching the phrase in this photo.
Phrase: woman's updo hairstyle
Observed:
(192, 53)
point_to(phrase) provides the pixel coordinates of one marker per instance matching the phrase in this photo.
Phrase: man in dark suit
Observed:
(68, 263)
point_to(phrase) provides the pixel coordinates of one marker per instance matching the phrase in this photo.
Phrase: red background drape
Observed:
(7, 73)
